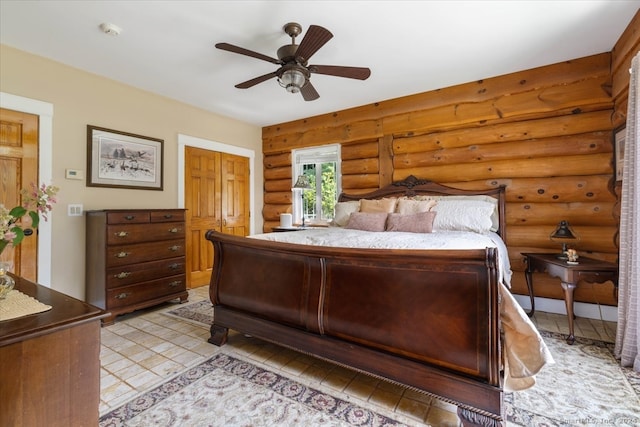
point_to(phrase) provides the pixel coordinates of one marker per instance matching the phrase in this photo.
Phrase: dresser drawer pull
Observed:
(121, 234)
(174, 248)
(129, 217)
(168, 216)
(174, 230)
(122, 254)
(175, 283)
(122, 275)
(174, 266)
(122, 295)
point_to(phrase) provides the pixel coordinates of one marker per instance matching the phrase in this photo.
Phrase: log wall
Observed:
(545, 133)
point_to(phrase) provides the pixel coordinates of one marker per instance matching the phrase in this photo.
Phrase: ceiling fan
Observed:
(294, 73)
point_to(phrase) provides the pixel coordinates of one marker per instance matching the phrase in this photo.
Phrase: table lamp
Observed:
(563, 234)
(302, 184)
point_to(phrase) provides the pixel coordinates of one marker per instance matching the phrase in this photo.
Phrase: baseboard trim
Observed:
(580, 309)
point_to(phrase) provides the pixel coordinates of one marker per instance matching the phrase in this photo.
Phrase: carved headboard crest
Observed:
(410, 182)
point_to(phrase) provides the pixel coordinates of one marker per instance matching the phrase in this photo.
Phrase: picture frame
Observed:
(619, 139)
(118, 159)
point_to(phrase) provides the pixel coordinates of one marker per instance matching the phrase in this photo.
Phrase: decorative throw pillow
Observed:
(342, 212)
(408, 206)
(367, 221)
(421, 222)
(463, 215)
(387, 205)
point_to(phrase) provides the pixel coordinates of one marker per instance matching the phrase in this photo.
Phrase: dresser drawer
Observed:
(118, 255)
(128, 217)
(145, 291)
(121, 234)
(167, 215)
(142, 272)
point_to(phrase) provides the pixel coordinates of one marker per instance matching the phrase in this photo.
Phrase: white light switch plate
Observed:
(74, 210)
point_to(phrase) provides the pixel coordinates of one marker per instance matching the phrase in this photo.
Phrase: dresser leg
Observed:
(568, 300)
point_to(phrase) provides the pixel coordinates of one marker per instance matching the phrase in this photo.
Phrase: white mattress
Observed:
(348, 238)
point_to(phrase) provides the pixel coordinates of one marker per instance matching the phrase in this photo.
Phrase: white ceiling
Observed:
(167, 47)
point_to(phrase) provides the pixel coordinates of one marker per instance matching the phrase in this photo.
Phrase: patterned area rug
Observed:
(200, 312)
(227, 391)
(586, 386)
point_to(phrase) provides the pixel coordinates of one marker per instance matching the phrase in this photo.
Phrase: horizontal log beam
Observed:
(591, 188)
(575, 213)
(561, 73)
(596, 164)
(592, 143)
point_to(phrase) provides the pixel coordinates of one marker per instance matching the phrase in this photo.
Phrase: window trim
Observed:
(317, 154)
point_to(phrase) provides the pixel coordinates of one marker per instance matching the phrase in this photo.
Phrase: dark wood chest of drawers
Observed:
(135, 259)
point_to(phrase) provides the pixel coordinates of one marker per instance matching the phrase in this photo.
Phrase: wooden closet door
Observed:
(216, 198)
(18, 169)
(235, 195)
(203, 204)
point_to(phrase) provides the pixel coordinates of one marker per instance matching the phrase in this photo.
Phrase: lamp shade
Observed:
(303, 183)
(563, 231)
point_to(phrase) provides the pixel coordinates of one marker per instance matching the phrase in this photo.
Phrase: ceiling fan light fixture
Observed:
(292, 80)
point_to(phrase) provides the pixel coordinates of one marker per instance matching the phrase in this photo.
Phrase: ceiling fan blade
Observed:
(314, 39)
(309, 92)
(242, 51)
(338, 71)
(255, 81)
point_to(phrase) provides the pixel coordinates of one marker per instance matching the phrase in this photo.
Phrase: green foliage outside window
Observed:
(328, 188)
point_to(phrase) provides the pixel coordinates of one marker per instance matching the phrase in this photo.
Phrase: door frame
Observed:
(44, 111)
(191, 141)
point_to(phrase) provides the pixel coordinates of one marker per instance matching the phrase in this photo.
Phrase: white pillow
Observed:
(463, 215)
(495, 215)
(342, 212)
(408, 206)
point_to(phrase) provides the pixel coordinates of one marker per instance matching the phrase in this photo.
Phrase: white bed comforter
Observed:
(525, 351)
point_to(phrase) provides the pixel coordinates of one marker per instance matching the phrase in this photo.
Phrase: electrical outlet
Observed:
(74, 210)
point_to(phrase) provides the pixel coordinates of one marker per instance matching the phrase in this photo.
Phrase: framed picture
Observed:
(123, 160)
(619, 139)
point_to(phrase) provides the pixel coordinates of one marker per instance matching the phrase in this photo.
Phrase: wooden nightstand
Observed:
(587, 269)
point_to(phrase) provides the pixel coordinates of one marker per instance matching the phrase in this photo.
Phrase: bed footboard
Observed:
(425, 319)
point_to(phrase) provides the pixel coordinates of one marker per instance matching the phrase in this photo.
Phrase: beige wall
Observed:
(81, 98)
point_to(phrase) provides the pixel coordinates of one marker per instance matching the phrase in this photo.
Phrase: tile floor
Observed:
(142, 349)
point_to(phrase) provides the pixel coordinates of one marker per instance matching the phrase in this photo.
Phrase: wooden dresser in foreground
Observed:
(50, 363)
(135, 259)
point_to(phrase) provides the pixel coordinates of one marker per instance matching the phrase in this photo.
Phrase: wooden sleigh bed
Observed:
(427, 319)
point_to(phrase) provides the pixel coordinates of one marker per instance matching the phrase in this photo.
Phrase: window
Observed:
(321, 166)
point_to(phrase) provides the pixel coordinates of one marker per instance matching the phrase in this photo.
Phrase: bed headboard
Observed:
(412, 186)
